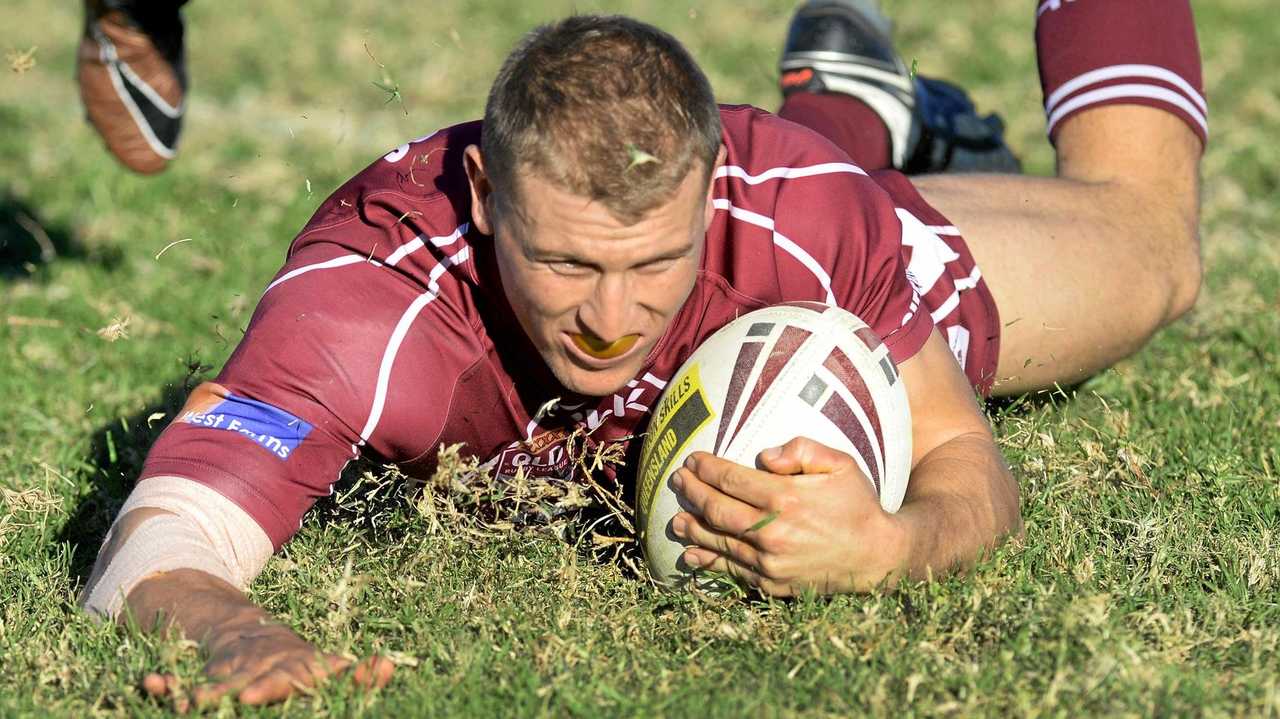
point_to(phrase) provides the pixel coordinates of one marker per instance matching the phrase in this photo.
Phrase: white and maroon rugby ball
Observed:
(790, 370)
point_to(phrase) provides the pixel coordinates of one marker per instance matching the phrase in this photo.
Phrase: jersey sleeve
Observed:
(342, 354)
(844, 238)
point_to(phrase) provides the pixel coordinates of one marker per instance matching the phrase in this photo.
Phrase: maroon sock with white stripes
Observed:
(1109, 52)
(845, 120)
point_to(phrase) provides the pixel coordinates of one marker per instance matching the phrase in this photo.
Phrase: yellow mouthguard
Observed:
(600, 349)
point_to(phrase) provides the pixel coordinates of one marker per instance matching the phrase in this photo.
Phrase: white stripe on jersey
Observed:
(948, 230)
(1152, 92)
(389, 358)
(783, 243)
(788, 173)
(404, 250)
(406, 319)
(968, 283)
(398, 154)
(929, 254)
(929, 258)
(453, 260)
(397, 337)
(418, 243)
(947, 307)
(958, 339)
(911, 310)
(1050, 5)
(1113, 72)
(342, 261)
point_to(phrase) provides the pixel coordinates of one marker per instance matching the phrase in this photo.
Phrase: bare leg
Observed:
(1086, 266)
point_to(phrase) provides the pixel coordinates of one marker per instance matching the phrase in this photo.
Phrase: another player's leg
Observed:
(841, 76)
(1085, 267)
(132, 78)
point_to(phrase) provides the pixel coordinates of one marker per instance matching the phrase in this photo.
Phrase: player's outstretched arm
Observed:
(809, 519)
(251, 656)
(176, 558)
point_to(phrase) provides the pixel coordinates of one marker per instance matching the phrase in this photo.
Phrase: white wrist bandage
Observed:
(191, 527)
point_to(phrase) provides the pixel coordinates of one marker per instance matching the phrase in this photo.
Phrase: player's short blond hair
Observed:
(606, 107)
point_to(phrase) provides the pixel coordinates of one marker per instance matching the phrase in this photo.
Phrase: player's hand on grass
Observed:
(262, 663)
(808, 520)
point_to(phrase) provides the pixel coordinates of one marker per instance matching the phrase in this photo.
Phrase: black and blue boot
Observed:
(844, 46)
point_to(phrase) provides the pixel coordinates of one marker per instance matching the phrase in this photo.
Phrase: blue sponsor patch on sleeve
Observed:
(271, 428)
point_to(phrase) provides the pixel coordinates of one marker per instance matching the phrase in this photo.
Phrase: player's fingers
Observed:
(710, 561)
(373, 672)
(157, 685)
(337, 664)
(803, 456)
(316, 670)
(716, 508)
(694, 531)
(222, 668)
(744, 483)
(276, 685)
(210, 694)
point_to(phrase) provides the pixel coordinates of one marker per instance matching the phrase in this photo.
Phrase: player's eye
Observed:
(567, 267)
(656, 266)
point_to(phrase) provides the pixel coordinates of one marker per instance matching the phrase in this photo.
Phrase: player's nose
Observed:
(607, 312)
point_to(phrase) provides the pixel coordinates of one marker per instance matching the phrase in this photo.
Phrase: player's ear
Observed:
(482, 199)
(709, 211)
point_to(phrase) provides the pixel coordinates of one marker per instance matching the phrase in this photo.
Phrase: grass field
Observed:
(1146, 585)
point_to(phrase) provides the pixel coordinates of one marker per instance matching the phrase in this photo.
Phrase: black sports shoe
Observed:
(954, 137)
(132, 79)
(844, 46)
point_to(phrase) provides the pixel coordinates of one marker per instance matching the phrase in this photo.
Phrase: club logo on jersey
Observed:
(683, 411)
(543, 456)
(560, 433)
(212, 406)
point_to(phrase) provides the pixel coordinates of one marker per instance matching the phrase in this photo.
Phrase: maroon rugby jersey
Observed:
(387, 330)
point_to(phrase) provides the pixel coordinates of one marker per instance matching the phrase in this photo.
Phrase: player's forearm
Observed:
(961, 501)
(179, 548)
(199, 605)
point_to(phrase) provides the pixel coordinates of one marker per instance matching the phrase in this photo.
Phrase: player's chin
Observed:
(595, 382)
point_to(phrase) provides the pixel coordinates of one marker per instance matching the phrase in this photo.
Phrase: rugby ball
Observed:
(795, 369)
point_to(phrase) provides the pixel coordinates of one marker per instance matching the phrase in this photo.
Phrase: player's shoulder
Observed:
(792, 211)
(409, 212)
(423, 178)
(777, 167)
(756, 138)
(385, 268)
(336, 334)
(778, 174)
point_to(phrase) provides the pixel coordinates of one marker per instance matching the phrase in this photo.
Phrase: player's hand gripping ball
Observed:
(801, 369)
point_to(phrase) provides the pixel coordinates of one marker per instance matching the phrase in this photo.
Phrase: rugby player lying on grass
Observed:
(608, 219)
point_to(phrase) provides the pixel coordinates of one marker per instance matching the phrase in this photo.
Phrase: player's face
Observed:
(595, 294)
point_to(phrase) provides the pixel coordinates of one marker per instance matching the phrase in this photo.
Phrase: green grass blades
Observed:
(1146, 585)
